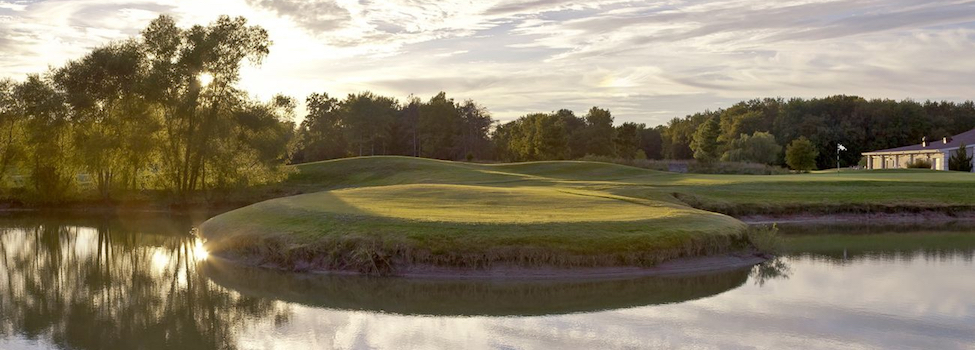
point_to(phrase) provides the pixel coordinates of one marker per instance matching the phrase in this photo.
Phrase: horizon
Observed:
(647, 63)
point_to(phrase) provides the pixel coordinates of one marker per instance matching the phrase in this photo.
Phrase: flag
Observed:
(840, 147)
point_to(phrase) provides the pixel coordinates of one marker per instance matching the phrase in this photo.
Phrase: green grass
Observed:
(378, 229)
(375, 214)
(830, 192)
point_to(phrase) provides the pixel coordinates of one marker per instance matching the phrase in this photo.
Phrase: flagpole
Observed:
(839, 147)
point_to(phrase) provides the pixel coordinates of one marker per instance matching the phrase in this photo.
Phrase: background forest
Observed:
(163, 112)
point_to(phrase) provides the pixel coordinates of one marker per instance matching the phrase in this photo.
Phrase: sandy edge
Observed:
(681, 266)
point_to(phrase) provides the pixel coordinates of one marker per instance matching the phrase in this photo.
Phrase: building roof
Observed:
(967, 138)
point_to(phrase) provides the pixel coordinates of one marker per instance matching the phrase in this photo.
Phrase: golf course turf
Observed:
(381, 214)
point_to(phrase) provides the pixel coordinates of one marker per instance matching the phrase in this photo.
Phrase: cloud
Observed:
(646, 60)
(316, 16)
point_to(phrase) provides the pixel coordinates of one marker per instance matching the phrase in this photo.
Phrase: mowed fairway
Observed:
(382, 213)
(735, 194)
(483, 204)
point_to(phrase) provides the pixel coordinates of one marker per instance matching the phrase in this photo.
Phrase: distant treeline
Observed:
(859, 124)
(750, 131)
(369, 124)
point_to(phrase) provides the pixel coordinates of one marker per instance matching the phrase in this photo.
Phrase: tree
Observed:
(440, 125)
(960, 160)
(575, 128)
(550, 141)
(113, 123)
(627, 140)
(475, 123)
(50, 162)
(599, 131)
(366, 117)
(801, 155)
(199, 114)
(12, 129)
(258, 146)
(651, 141)
(537, 136)
(760, 147)
(320, 135)
(705, 144)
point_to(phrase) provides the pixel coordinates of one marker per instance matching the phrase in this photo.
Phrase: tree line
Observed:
(756, 131)
(163, 111)
(369, 124)
(752, 130)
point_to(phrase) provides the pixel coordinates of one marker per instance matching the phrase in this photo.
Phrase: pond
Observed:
(142, 281)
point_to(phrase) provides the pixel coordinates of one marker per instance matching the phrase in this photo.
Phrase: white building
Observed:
(937, 152)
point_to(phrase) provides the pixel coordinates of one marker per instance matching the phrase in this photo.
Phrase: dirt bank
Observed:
(680, 266)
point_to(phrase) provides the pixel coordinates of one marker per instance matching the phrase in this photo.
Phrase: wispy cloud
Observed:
(648, 61)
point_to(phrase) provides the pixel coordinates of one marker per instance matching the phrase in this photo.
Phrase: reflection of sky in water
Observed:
(900, 300)
(919, 303)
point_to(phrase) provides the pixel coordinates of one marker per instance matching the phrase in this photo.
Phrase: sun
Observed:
(205, 79)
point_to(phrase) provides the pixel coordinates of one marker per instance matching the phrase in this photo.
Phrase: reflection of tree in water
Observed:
(775, 268)
(105, 285)
(844, 244)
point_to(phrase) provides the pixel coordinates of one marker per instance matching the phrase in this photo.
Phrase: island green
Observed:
(378, 214)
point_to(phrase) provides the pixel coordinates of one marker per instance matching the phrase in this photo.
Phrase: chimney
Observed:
(946, 139)
(924, 141)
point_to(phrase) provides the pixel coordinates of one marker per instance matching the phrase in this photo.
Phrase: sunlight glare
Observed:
(160, 260)
(205, 79)
(199, 251)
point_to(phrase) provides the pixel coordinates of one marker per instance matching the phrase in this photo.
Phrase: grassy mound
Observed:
(864, 191)
(383, 228)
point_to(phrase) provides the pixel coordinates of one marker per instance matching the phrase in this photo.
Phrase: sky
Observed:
(646, 61)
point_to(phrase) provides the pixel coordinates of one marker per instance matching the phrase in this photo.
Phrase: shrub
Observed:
(801, 155)
(760, 147)
(960, 160)
(919, 164)
(765, 238)
(694, 166)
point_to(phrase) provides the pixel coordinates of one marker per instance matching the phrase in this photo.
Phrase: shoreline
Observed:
(859, 218)
(674, 267)
(910, 215)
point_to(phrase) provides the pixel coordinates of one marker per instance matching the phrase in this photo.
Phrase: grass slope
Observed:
(375, 214)
(906, 190)
(378, 213)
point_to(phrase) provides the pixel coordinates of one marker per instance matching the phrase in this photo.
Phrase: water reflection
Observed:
(142, 282)
(445, 297)
(849, 243)
(99, 283)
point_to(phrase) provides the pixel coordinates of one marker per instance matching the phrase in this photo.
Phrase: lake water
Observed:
(143, 282)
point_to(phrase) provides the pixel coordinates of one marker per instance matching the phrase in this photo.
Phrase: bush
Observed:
(765, 238)
(759, 147)
(801, 155)
(960, 160)
(693, 166)
(919, 164)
